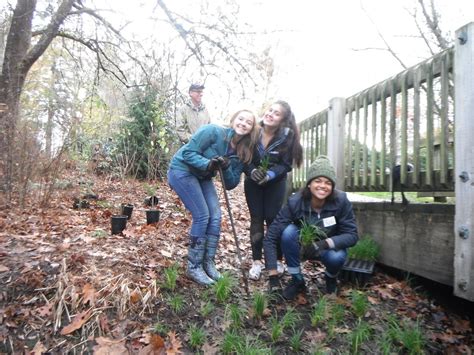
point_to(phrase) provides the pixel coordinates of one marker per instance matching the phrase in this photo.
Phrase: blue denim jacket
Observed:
(208, 142)
(342, 229)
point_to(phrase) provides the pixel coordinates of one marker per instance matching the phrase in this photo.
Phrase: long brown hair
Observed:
(245, 146)
(290, 122)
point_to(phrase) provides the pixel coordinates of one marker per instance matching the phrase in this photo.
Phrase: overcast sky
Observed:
(320, 49)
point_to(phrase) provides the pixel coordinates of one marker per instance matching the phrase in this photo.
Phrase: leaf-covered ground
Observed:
(68, 286)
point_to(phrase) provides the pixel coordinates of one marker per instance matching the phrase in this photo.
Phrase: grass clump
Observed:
(410, 335)
(360, 303)
(170, 277)
(309, 233)
(365, 249)
(176, 303)
(231, 342)
(235, 316)
(319, 312)
(360, 334)
(223, 287)
(260, 303)
(196, 335)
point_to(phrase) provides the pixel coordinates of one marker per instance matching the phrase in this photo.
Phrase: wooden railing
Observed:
(406, 119)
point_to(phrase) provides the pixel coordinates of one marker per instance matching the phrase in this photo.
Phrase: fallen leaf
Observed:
(38, 349)
(88, 294)
(106, 346)
(174, 344)
(208, 349)
(135, 297)
(45, 311)
(77, 322)
(4, 268)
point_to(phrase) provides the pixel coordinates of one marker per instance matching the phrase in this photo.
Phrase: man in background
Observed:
(192, 115)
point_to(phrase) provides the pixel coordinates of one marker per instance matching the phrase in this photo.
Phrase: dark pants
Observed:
(264, 203)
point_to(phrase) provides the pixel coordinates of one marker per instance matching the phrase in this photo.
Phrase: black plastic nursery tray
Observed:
(357, 271)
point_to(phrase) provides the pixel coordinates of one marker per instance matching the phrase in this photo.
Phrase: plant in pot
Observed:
(152, 214)
(360, 263)
(127, 209)
(118, 221)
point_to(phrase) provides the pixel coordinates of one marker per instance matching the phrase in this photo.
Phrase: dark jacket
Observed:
(279, 153)
(343, 232)
(208, 142)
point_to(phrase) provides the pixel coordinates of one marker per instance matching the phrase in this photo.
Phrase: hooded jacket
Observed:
(208, 142)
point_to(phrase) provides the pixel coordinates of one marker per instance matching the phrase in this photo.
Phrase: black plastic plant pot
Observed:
(119, 222)
(152, 216)
(127, 210)
(357, 271)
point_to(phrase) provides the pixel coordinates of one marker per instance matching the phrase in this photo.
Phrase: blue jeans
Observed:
(332, 259)
(200, 198)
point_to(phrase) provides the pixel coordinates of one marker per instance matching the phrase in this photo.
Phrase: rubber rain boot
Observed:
(209, 257)
(196, 251)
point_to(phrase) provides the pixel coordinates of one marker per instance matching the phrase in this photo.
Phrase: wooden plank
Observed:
(444, 119)
(365, 169)
(383, 132)
(416, 128)
(335, 146)
(429, 125)
(373, 153)
(464, 163)
(349, 174)
(404, 130)
(357, 145)
(393, 133)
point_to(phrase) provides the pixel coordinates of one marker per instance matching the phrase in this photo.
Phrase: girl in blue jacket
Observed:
(190, 176)
(319, 203)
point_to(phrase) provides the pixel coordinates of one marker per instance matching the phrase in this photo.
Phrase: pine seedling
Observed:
(176, 303)
(290, 319)
(235, 315)
(260, 302)
(264, 163)
(231, 342)
(170, 277)
(319, 312)
(223, 287)
(295, 341)
(196, 335)
(276, 328)
(359, 335)
(309, 233)
(360, 303)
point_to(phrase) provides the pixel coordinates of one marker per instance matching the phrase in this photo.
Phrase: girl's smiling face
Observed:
(273, 116)
(320, 187)
(243, 123)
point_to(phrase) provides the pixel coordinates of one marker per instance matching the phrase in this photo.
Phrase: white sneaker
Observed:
(281, 268)
(256, 270)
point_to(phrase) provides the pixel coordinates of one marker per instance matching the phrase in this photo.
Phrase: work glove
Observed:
(264, 180)
(213, 164)
(258, 175)
(224, 162)
(313, 250)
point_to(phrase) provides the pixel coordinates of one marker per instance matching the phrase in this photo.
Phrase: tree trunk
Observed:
(19, 56)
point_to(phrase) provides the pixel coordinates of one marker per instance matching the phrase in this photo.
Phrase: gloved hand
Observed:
(258, 175)
(224, 162)
(213, 164)
(264, 180)
(313, 250)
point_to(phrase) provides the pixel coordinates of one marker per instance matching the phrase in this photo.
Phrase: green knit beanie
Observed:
(321, 167)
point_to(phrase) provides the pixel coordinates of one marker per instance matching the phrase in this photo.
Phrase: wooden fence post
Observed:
(336, 137)
(464, 162)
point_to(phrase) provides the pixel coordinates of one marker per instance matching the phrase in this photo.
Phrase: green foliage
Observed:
(276, 328)
(365, 249)
(160, 328)
(260, 302)
(170, 277)
(360, 303)
(145, 140)
(295, 340)
(410, 335)
(319, 312)
(310, 233)
(360, 334)
(207, 308)
(231, 342)
(265, 163)
(176, 303)
(223, 287)
(234, 315)
(196, 335)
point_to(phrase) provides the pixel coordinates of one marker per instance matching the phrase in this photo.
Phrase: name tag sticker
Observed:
(329, 221)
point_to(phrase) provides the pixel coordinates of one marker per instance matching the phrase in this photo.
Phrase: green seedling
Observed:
(309, 233)
(276, 328)
(99, 233)
(160, 328)
(359, 335)
(176, 303)
(337, 313)
(365, 249)
(360, 303)
(207, 308)
(170, 277)
(409, 335)
(231, 342)
(264, 163)
(295, 341)
(223, 287)
(252, 346)
(196, 335)
(290, 319)
(260, 302)
(235, 315)
(319, 312)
